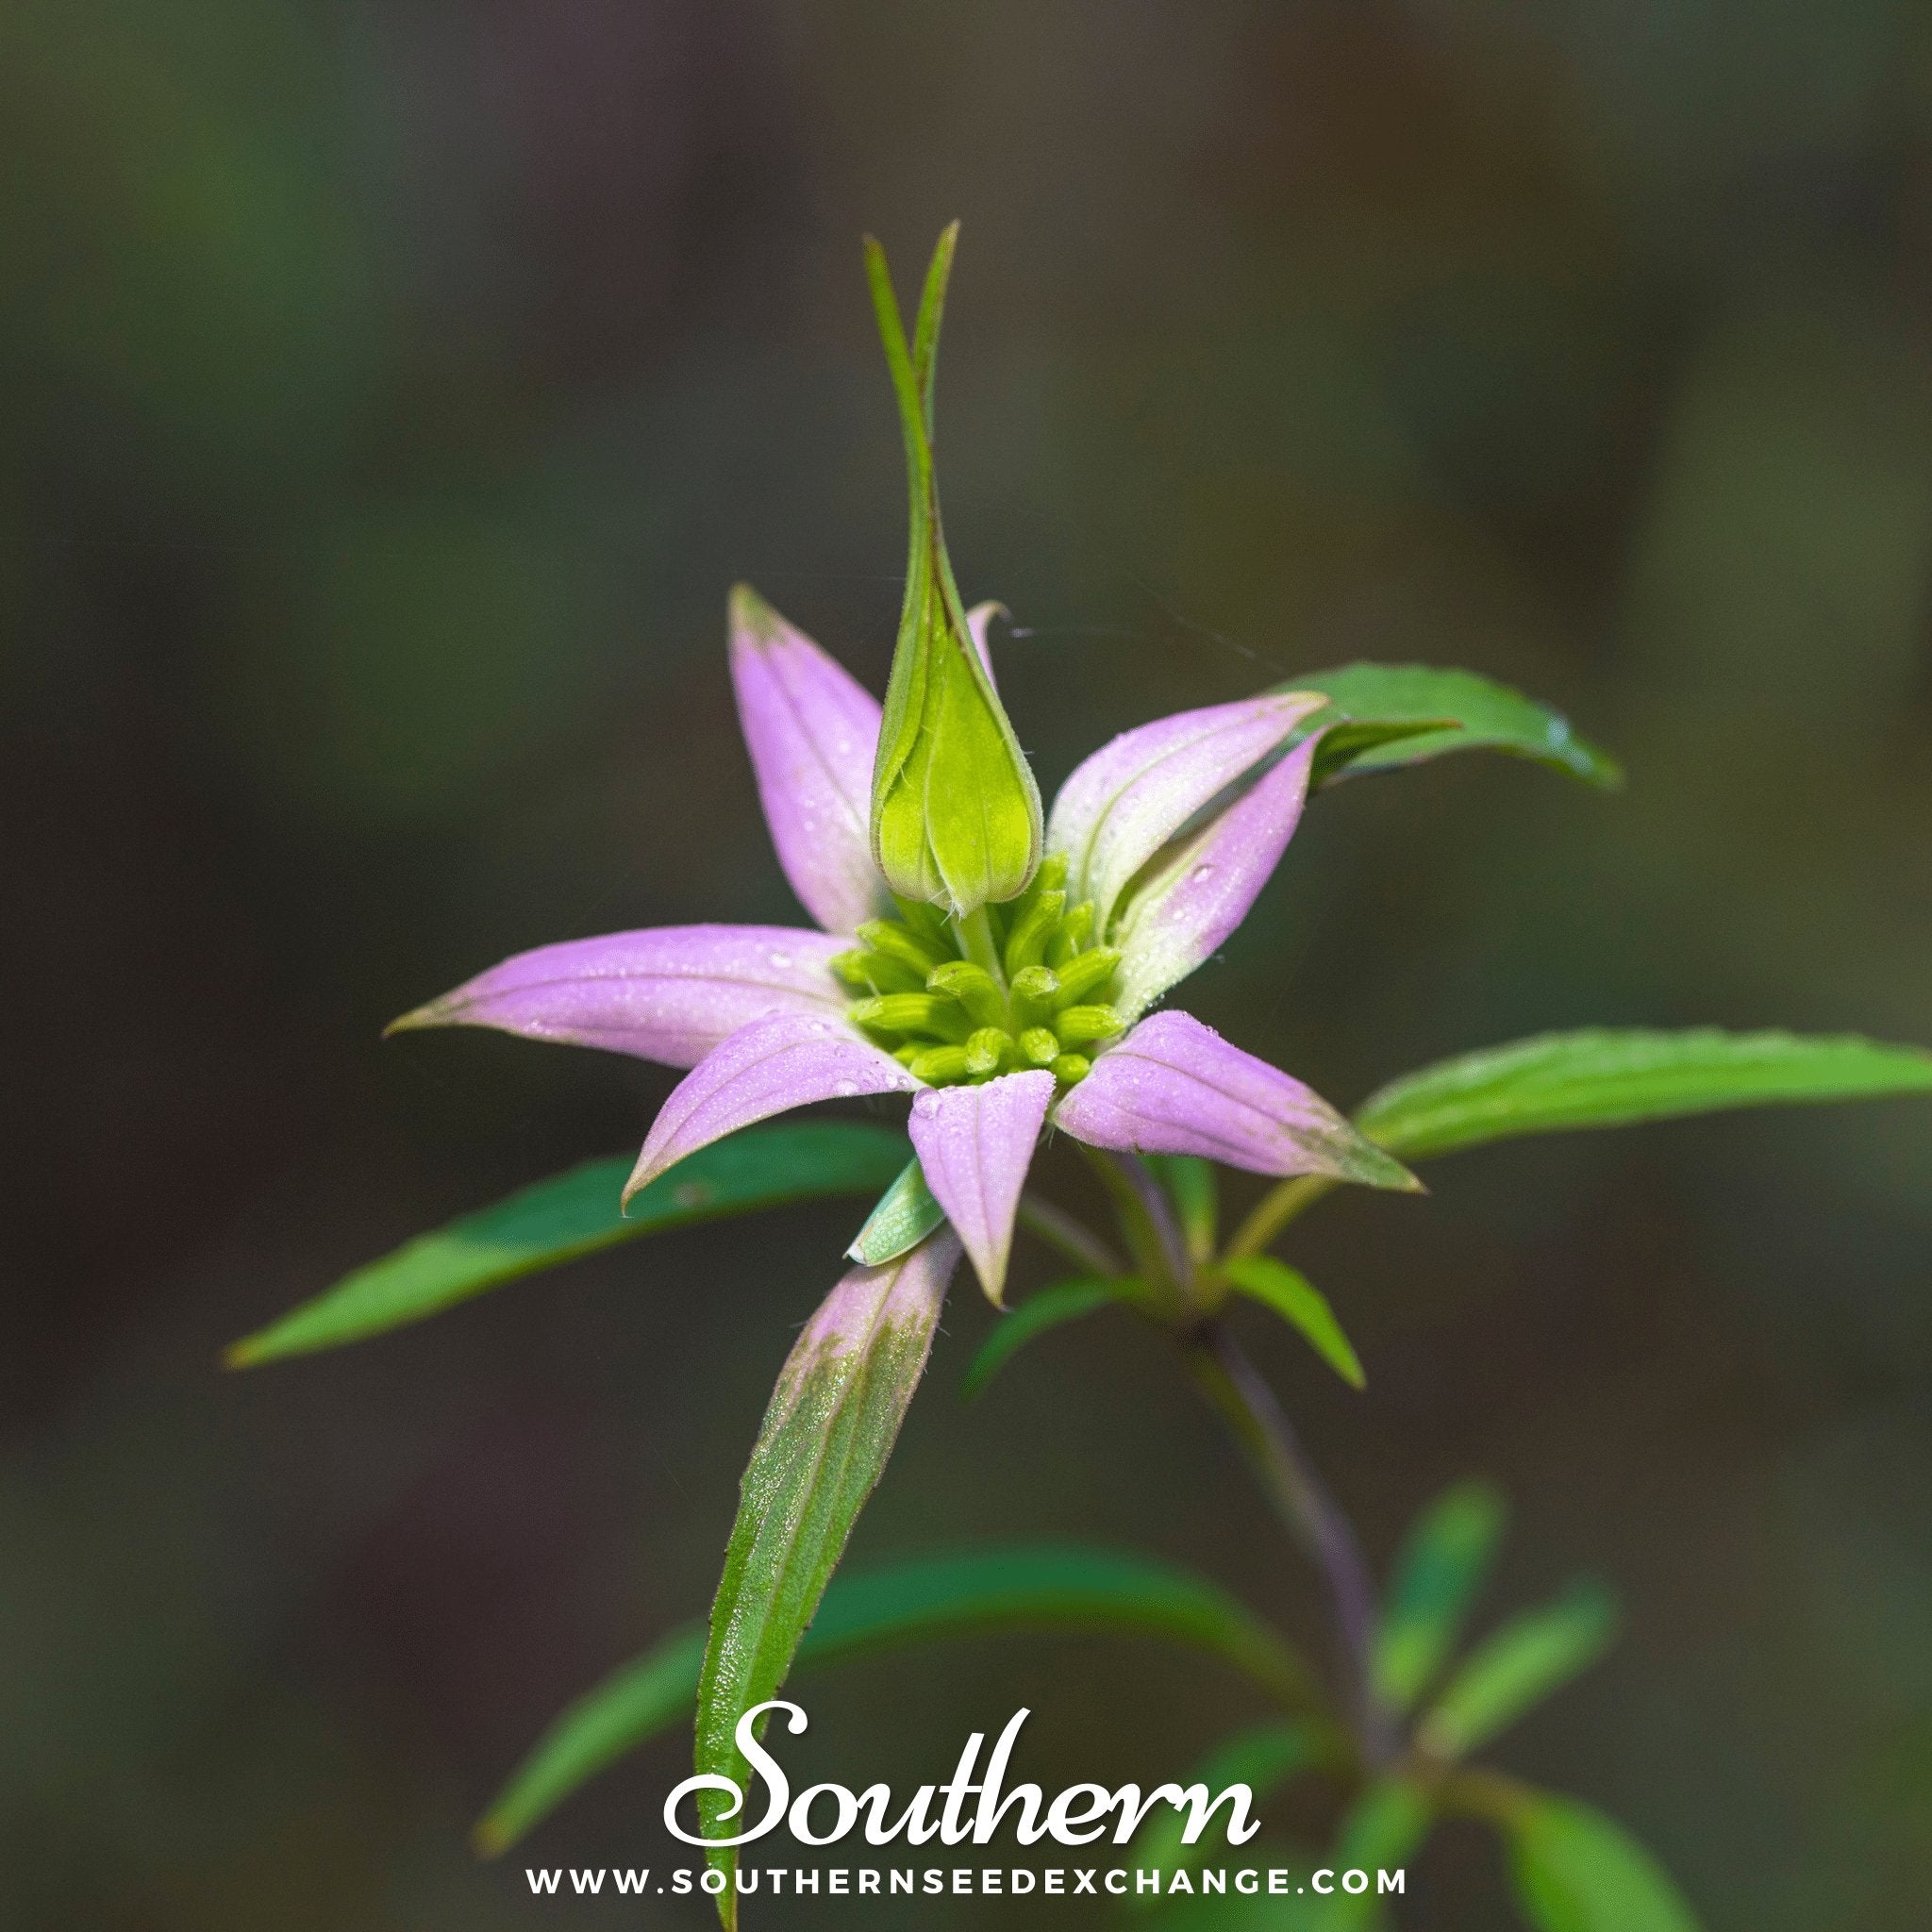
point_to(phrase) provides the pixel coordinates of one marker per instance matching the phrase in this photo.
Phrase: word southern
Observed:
(824, 1814)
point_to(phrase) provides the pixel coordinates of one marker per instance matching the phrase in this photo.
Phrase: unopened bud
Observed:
(956, 815)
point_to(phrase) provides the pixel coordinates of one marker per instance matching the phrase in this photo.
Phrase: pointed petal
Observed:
(978, 620)
(812, 729)
(1197, 896)
(788, 1060)
(975, 1145)
(1173, 1086)
(668, 993)
(1133, 795)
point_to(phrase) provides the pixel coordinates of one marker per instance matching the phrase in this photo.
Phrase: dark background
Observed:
(392, 390)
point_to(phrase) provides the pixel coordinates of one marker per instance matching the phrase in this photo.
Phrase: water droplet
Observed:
(781, 960)
(1201, 874)
(845, 1090)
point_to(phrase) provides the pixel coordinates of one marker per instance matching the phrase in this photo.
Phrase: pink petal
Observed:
(669, 994)
(903, 1293)
(768, 1067)
(1134, 794)
(813, 731)
(1185, 911)
(1173, 1086)
(975, 1146)
(978, 620)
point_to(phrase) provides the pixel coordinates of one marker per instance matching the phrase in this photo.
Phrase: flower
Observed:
(1031, 1013)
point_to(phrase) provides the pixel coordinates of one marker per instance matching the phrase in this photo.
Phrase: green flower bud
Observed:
(1034, 990)
(1086, 974)
(1076, 929)
(869, 972)
(912, 1012)
(888, 937)
(986, 1050)
(1041, 1045)
(956, 816)
(973, 987)
(942, 1065)
(1081, 1026)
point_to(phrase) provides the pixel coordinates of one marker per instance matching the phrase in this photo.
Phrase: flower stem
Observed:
(1230, 1381)
(978, 943)
(1071, 1235)
(1156, 1249)
(1274, 1211)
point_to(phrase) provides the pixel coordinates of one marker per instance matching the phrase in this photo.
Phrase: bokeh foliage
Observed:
(394, 393)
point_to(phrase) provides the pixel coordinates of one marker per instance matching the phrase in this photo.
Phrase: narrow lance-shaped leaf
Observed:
(1578, 1871)
(1263, 1757)
(577, 1213)
(1441, 1569)
(1038, 1315)
(1031, 1586)
(1604, 1078)
(1379, 1832)
(1396, 715)
(956, 816)
(1303, 1306)
(1516, 1668)
(830, 1428)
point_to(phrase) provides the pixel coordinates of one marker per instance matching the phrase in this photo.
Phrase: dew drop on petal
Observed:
(781, 960)
(845, 1090)
(1201, 874)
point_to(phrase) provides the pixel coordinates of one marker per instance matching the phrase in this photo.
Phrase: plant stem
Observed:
(1072, 1236)
(1158, 1252)
(1274, 1211)
(1235, 1386)
(976, 942)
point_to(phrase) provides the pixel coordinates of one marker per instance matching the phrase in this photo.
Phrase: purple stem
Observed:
(1233, 1384)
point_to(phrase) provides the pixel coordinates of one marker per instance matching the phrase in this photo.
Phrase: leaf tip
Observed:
(436, 1013)
(491, 1837)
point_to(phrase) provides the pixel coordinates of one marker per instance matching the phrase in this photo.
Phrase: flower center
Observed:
(1016, 987)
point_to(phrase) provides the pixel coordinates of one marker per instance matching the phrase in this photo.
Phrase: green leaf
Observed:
(1067, 1301)
(1603, 1078)
(1489, 717)
(1577, 1871)
(1516, 1668)
(1346, 744)
(1029, 1587)
(577, 1213)
(1441, 1567)
(906, 1214)
(833, 1419)
(628, 1709)
(1379, 1832)
(1263, 1757)
(1300, 1304)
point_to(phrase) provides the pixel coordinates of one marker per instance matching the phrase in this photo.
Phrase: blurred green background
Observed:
(392, 390)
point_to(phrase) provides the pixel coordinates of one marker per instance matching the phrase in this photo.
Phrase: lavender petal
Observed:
(812, 729)
(1173, 1086)
(789, 1059)
(669, 994)
(1185, 911)
(979, 622)
(1134, 794)
(975, 1146)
